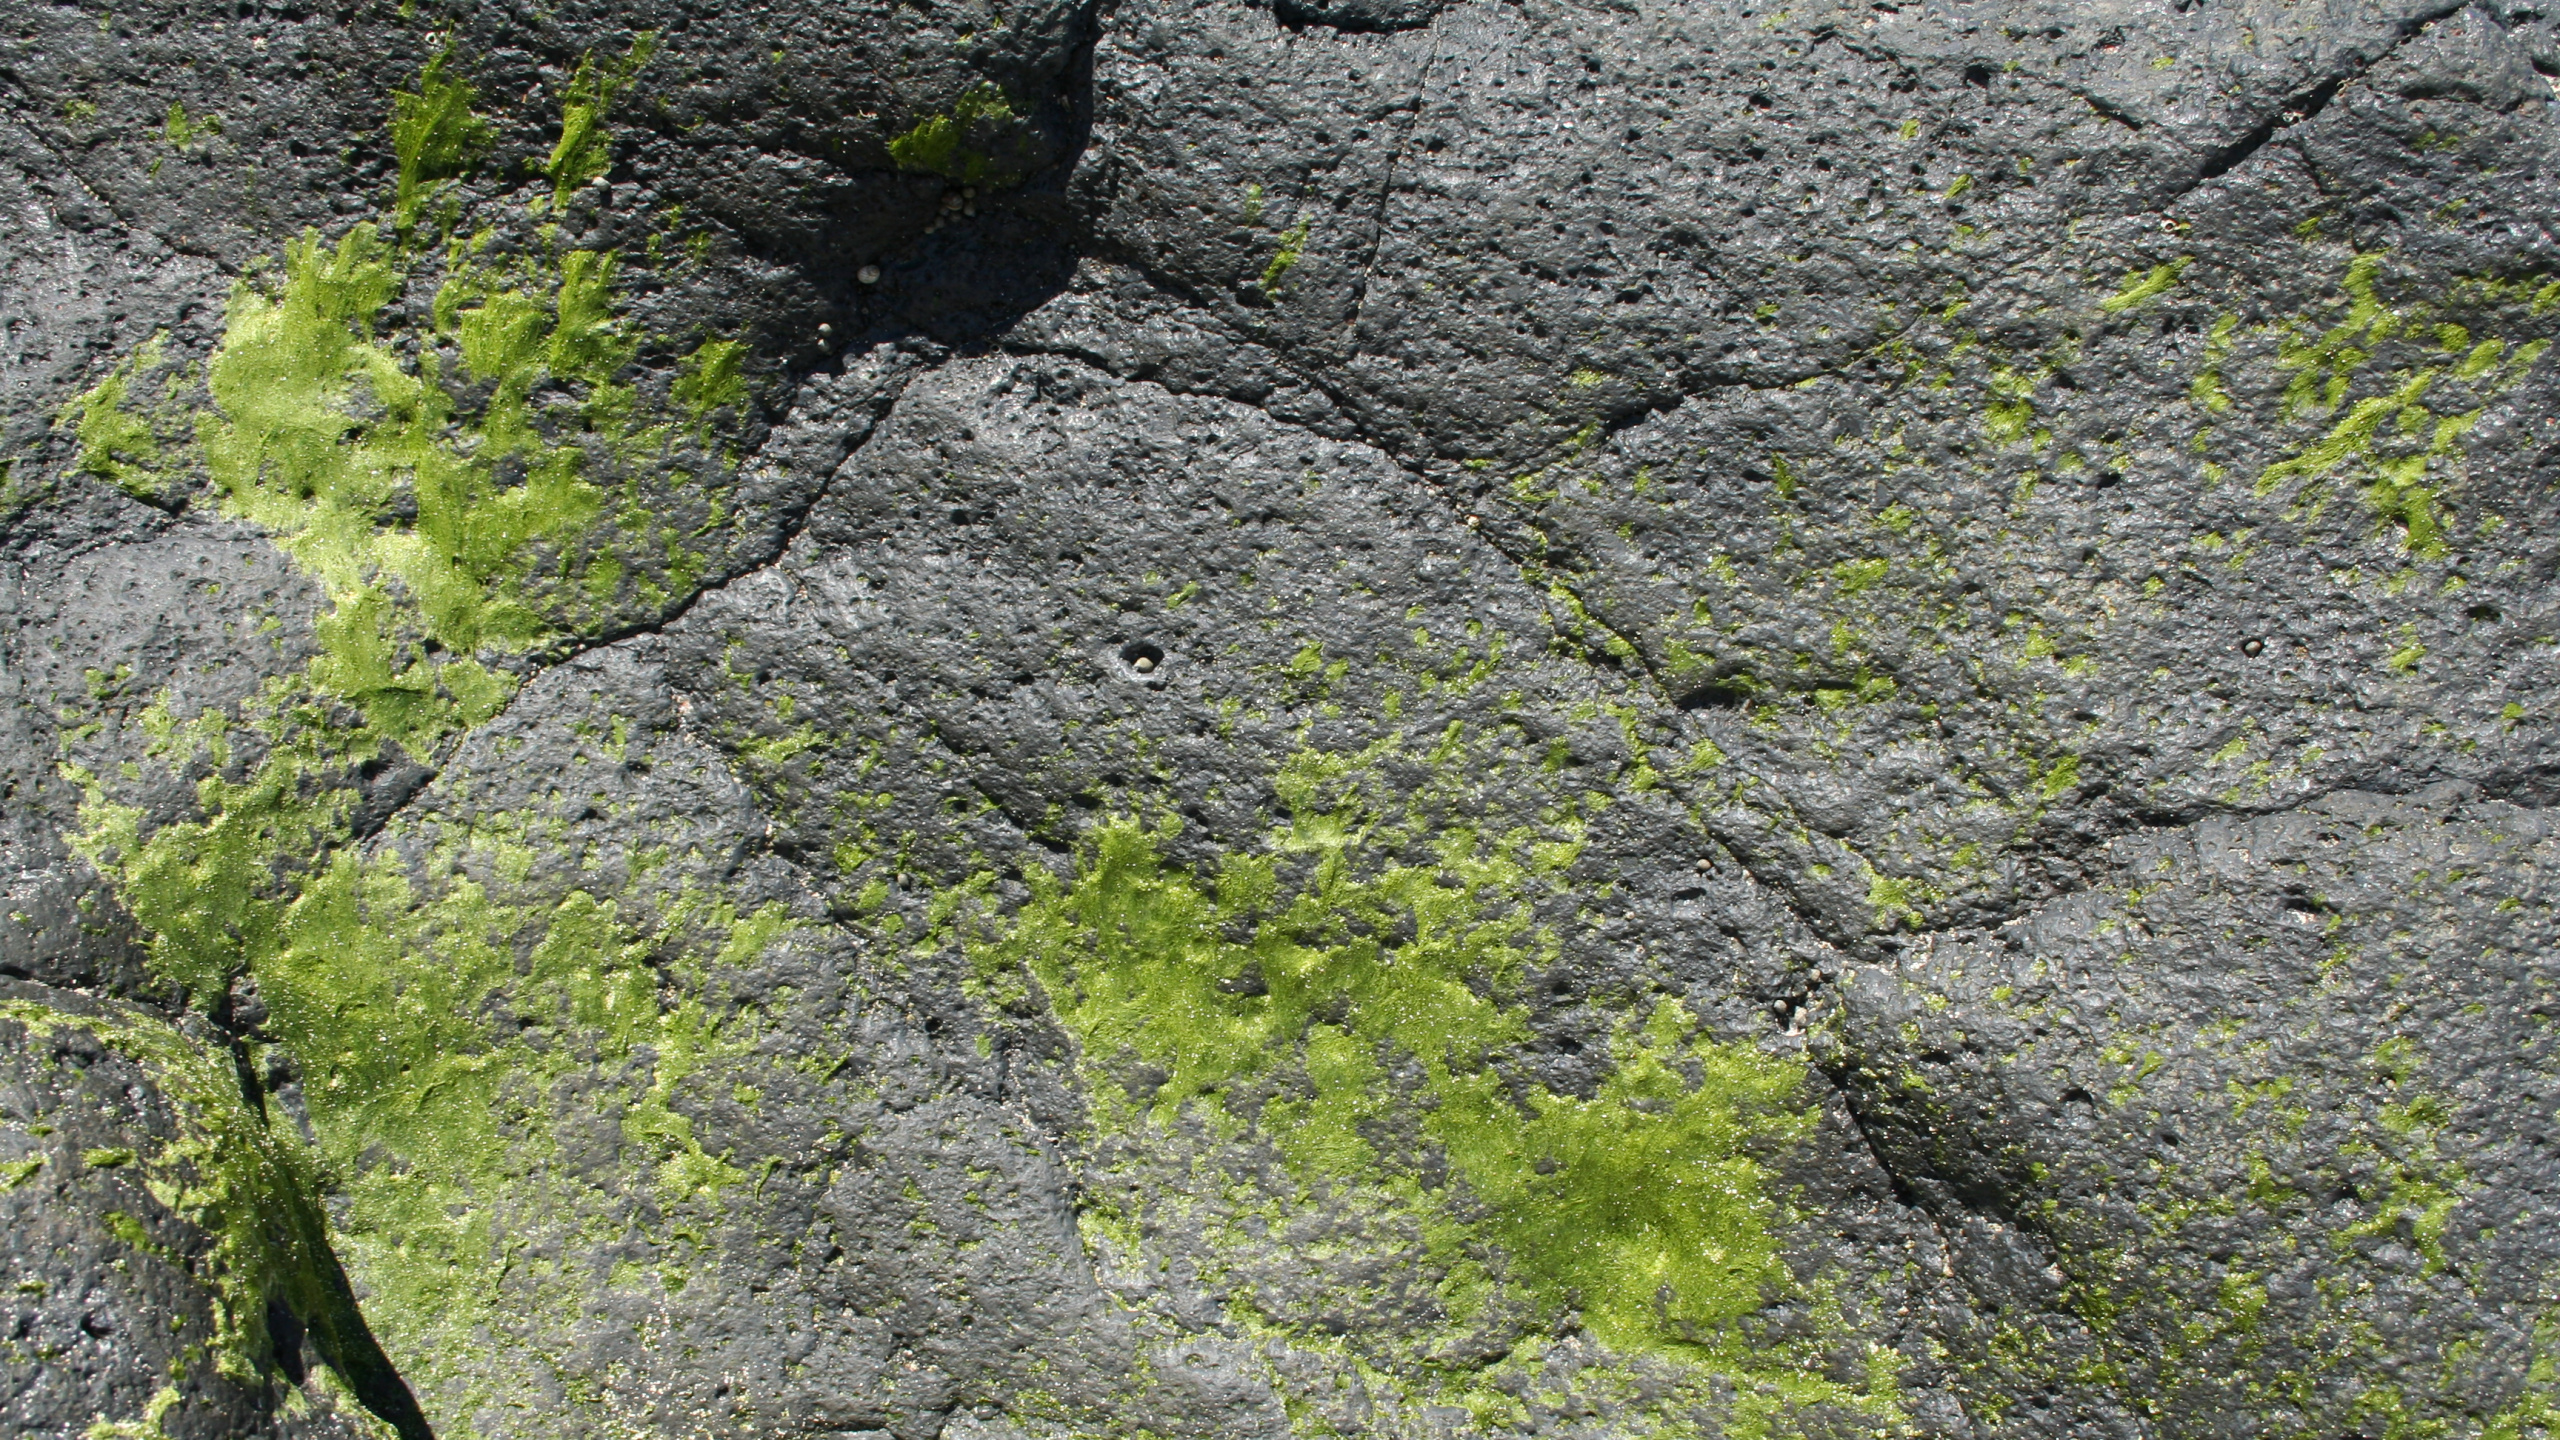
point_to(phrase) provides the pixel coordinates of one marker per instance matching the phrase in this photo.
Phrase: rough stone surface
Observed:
(1349, 717)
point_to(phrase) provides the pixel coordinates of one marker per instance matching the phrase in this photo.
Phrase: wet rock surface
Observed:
(1219, 720)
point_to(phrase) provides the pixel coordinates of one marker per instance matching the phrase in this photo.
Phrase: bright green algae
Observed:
(451, 436)
(469, 480)
(2396, 445)
(1642, 1203)
(221, 1170)
(386, 985)
(409, 603)
(447, 535)
(435, 137)
(116, 444)
(1350, 998)
(585, 148)
(958, 145)
(503, 550)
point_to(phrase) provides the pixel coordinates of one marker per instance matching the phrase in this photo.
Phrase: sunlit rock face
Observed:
(1370, 718)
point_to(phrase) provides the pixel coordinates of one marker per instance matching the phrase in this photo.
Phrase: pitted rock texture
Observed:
(1210, 719)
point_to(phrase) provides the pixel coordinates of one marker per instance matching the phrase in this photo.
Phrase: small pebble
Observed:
(1143, 664)
(1474, 520)
(868, 274)
(2252, 646)
(825, 329)
(950, 202)
(1705, 864)
(969, 192)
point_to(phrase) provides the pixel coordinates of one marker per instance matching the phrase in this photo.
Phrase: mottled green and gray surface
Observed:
(1006, 720)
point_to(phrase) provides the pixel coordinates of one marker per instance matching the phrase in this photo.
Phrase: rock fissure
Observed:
(2307, 104)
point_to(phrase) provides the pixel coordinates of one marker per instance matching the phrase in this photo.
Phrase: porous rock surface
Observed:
(1349, 717)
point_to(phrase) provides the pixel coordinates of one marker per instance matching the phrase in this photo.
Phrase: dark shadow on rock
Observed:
(1359, 17)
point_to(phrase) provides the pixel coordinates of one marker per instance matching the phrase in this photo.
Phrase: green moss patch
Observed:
(584, 150)
(2397, 441)
(1352, 997)
(456, 435)
(1283, 260)
(446, 1129)
(976, 142)
(435, 136)
(117, 443)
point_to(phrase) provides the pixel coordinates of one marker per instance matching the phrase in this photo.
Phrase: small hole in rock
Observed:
(1142, 656)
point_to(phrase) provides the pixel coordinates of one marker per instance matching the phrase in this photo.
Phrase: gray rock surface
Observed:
(1370, 718)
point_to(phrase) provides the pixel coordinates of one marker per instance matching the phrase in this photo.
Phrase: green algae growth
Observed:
(451, 435)
(960, 144)
(1352, 997)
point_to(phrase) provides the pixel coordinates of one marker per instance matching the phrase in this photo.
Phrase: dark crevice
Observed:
(2296, 110)
(287, 1334)
(1716, 694)
(2112, 111)
(1910, 1196)
(311, 1297)
(1357, 17)
(2308, 103)
(385, 786)
(327, 1306)
(1387, 190)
